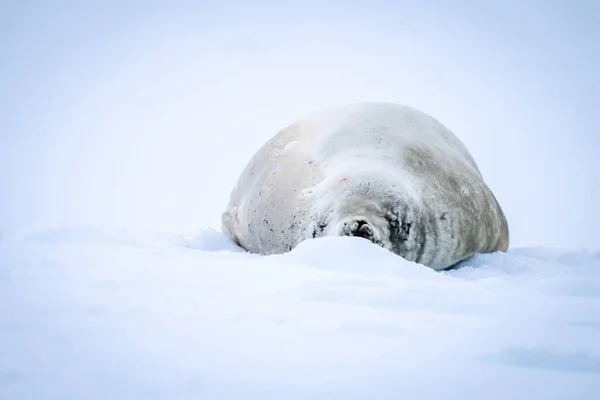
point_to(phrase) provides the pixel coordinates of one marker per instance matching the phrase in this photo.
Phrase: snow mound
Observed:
(354, 255)
(211, 240)
(87, 313)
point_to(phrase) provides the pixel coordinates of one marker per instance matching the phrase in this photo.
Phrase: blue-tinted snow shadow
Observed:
(547, 359)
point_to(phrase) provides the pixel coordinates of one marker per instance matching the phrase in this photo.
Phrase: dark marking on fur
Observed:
(406, 228)
(319, 225)
(396, 238)
(318, 229)
(421, 241)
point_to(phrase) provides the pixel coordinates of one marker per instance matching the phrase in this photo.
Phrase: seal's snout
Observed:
(364, 230)
(358, 228)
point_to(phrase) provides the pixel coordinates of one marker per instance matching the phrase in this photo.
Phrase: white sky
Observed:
(143, 114)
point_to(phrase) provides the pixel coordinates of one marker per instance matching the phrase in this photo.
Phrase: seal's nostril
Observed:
(357, 228)
(363, 230)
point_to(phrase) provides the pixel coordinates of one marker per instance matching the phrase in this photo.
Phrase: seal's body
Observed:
(382, 171)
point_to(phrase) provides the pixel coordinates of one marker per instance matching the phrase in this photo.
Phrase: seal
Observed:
(381, 171)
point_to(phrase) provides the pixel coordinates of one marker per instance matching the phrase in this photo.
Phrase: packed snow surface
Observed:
(95, 314)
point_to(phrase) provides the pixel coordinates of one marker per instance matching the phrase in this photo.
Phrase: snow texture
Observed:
(92, 314)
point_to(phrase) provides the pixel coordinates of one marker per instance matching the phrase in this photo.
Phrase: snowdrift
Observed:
(93, 314)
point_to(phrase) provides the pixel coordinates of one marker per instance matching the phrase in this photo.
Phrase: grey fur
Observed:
(382, 171)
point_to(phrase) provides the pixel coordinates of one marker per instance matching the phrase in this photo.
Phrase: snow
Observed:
(88, 313)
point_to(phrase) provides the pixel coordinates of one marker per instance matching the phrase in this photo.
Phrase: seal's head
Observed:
(361, 218)
(382, 211)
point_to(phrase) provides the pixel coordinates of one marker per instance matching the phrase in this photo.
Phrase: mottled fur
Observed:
(386, 172)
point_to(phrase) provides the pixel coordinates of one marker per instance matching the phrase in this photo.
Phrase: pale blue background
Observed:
(143, 113)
